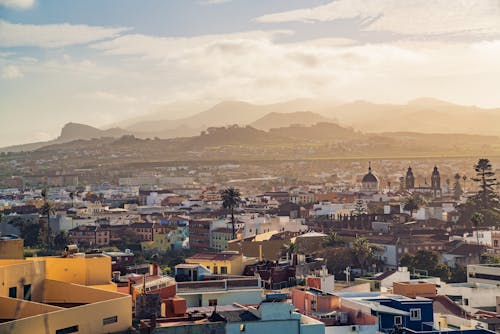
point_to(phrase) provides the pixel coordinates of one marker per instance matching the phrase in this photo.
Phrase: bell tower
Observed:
(410, 179)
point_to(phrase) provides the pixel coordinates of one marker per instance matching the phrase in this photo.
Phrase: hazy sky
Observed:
(97, 62)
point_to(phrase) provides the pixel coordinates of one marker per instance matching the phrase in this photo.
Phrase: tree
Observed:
(29, 230)
(457, 188)
(231, 198)
(426, 260)
(413, 203)
(363, 252)
(334, 240)
(486, 197)
(485, 201)
(359, 208)
(337, 259)
(46, 210)
(61, 240)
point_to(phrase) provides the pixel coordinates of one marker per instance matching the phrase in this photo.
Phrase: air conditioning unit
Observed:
(354, 328)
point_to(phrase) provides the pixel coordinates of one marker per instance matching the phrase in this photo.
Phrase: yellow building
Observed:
(224, 263)
(61, 295)
(11, 248)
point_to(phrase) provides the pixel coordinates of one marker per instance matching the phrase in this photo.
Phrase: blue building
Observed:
(396, 314)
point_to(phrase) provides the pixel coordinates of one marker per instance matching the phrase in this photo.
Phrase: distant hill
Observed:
(425, 115)
(281, 120)
(223, 113)
(321, 140)
(70, 132)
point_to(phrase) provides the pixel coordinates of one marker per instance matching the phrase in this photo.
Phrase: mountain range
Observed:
(424, 115)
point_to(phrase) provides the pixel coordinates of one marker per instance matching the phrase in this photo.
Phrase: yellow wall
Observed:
(79, 270)
(19, 273)
(12, 249)
(33, 317)
(64, 292)
(234, 267)
(87, 317)
(11, 308)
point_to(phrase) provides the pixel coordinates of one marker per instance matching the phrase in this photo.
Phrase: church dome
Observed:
(369, 178)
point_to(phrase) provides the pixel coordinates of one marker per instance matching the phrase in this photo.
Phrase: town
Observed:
(382, 246)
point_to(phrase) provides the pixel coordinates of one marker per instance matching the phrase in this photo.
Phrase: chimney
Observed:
(116, 276)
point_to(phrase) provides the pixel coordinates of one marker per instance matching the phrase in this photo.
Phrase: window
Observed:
(27, 292)
(466, 301)
(216, 271)
(110, 320)
(67, 330)
(212, 302)
(398, 320)
(13, 292)
(495, 243)
(415, 314)
(223, 270)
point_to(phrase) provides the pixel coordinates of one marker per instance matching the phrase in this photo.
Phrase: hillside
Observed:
(423, 115)
(69, 132)
(280, 120)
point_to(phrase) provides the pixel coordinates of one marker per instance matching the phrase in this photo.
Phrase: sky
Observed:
(101, 61)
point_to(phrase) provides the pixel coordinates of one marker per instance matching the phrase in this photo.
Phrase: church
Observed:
(434, 189)
(369, 183)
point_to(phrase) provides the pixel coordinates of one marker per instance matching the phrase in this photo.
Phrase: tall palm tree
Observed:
(476, 220)
(364, 252)
(231, 198)
(46, 210)
(413, 203)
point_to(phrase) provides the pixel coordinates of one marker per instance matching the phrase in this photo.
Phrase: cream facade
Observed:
(61, 295)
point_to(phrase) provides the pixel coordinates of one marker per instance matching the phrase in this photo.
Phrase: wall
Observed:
(193, 299)
(64, 292)
(302, 301)
(88, 318)
(12, 249)
(413, 290)
(13, 271)
(79, 270)
(480, 296)
(202, 328)
(11, 308)
(234, 267)
(259, 327)
(360, 329)
(398, 276)
(271, 249)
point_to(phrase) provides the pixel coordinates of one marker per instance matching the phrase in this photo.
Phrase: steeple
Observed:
(410, 179)
(436, 179)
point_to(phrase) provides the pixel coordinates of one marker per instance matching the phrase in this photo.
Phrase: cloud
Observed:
(213, 2)
(168, 48)
(108, 97)
(409, 17)
(52, 35)
(11, 72)
(18, 4)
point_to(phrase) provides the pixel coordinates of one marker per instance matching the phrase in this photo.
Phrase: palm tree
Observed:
(413, 203)
(231, 198)
(46, 210)
(334, 240)
(477, 220)
(364, 252)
